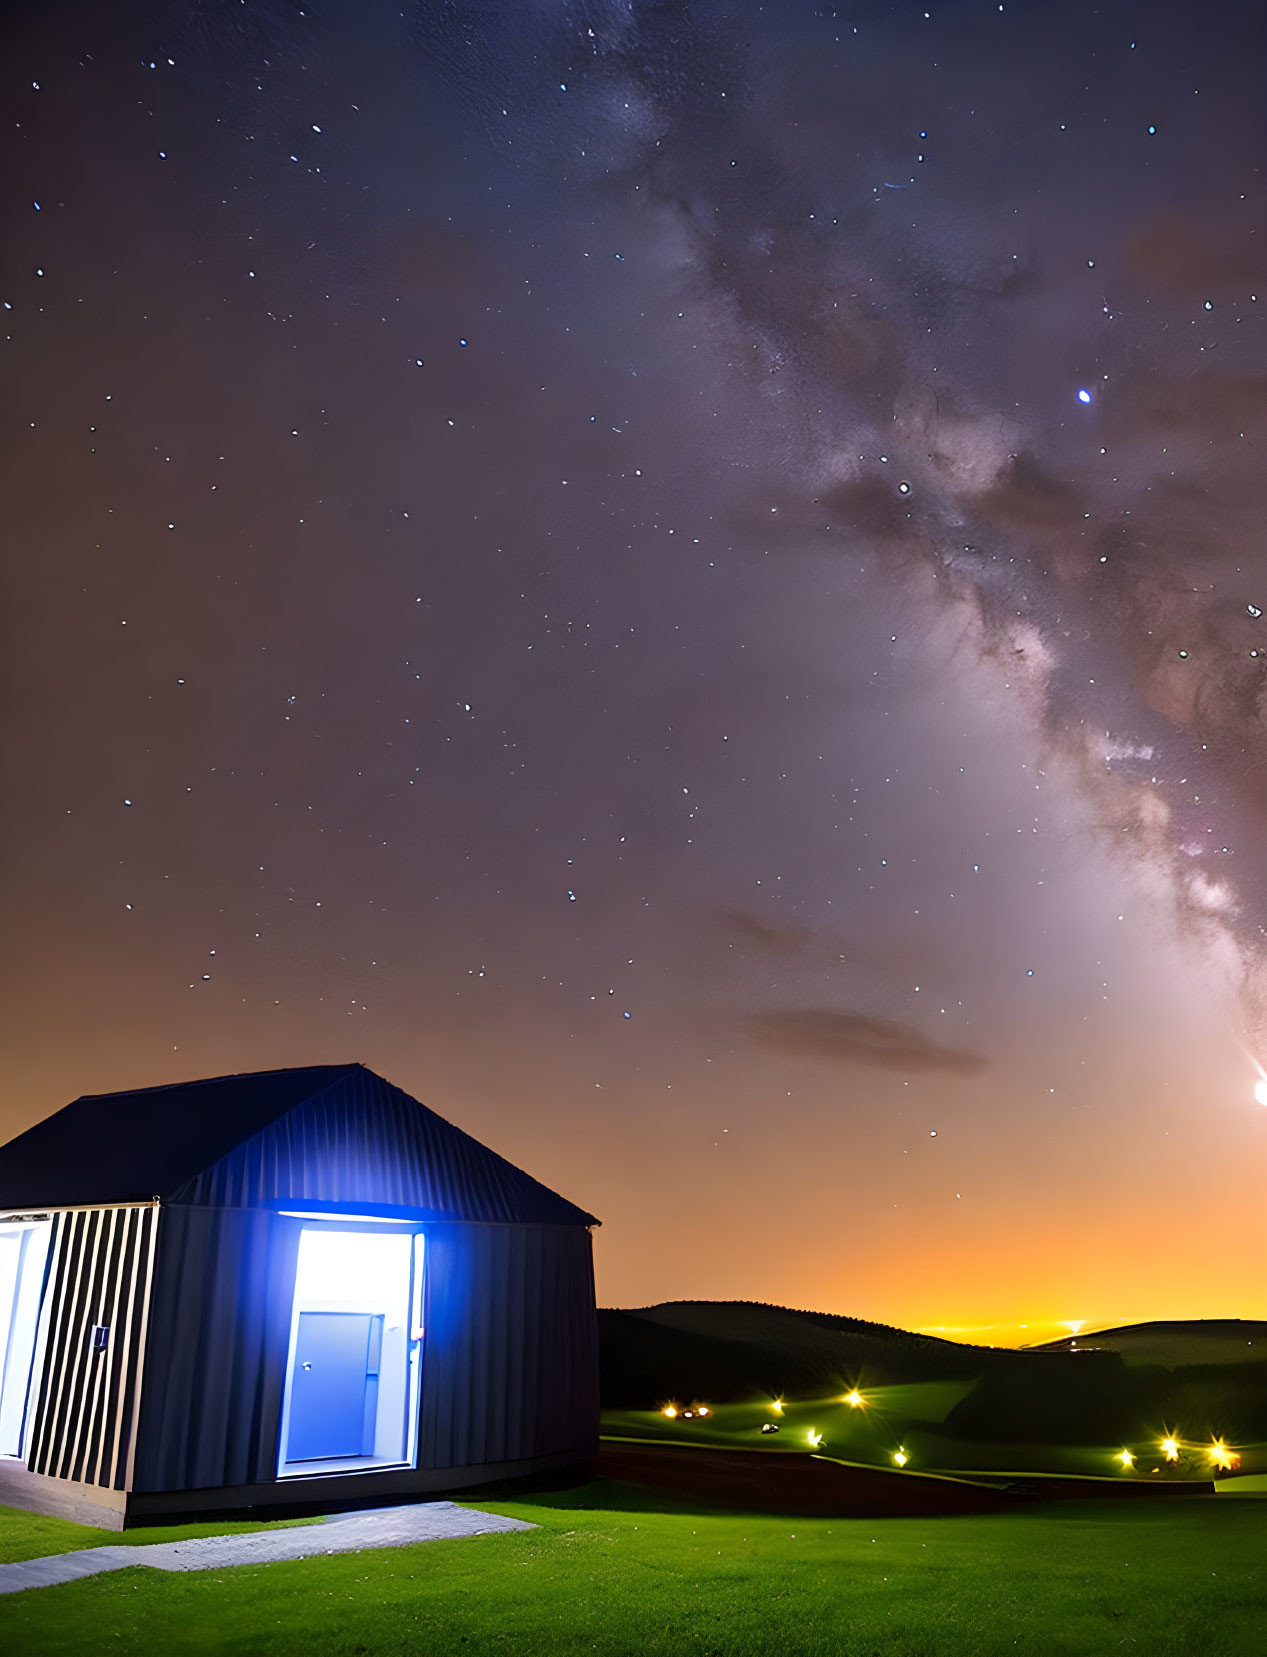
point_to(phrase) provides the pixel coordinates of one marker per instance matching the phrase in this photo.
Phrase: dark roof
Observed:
(328, 1133)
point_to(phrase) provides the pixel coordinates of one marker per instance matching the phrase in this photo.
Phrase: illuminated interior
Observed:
(23, 1250)
(352, 1372)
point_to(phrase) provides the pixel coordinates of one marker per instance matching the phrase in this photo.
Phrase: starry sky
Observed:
(683, 580)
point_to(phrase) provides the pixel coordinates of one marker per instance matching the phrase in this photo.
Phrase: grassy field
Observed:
(614, 1571)
(910, 1418)
(876, 1426)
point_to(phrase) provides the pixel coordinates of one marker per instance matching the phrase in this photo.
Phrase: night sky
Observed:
(684, 581)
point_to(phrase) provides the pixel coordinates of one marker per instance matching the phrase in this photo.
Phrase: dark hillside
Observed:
(1095, 1402)
(1180, 1341)
(734, 1351)
(641, 1363)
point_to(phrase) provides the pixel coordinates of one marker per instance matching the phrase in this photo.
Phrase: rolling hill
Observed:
(1181, 1342)
(732, 1351)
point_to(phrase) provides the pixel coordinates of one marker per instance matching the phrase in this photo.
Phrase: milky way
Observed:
(685, 581)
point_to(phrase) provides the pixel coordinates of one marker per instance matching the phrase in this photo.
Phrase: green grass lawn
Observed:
(615, 1571)
(33, 1535)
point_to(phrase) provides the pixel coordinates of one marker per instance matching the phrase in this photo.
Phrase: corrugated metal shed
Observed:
(335, 1133)
(170, 1290)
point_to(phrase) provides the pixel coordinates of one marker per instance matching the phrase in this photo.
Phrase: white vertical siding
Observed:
(84, 1402)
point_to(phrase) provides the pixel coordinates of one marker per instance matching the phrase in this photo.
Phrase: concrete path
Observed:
(378, 1527)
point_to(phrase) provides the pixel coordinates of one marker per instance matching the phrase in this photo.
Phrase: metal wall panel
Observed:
(216, 1359)
(364, 1141)
(510, 1359)
(85, 1397)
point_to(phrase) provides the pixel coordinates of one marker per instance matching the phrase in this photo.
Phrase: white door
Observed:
(352, 1373)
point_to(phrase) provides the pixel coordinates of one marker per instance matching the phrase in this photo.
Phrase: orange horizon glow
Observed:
(1051, 1282)
(1031, 1265)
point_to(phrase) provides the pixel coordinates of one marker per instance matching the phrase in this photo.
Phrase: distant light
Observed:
(1220, 1455)
(1127, 1459)
(855, 1399)
(688, 1415)
(1084, 396)
(670, 1410)
(703, 1410)
(776, 1404)
(1260, 1090)
(1170, 1448)
(815, 1438)
(901, 1457)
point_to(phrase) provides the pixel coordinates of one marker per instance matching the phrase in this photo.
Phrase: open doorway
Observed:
(23, 1252)
(352, 1374)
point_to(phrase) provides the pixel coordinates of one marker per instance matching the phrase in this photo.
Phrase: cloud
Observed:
(856, 1038)
(778, 937)
(1028, 497)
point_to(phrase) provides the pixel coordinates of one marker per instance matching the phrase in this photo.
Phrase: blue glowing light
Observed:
(1084, 396)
